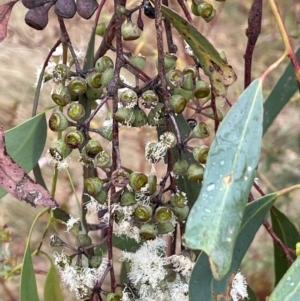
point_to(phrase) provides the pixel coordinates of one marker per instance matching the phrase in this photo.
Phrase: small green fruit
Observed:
(77, 86)
(130, 31)
(74, 139)
(100, 29)
(58, 121)
(103, 63)
(76, 111)
(61, 95)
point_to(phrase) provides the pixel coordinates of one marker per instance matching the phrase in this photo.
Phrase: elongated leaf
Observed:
(202, 285)
(215, 219)
(220, 73)
(289, 235)
(25, 143)
(52, 290)
(28, 291)
(288, 289)
(280, 95)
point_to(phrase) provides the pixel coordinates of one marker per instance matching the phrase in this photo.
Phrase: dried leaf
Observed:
(17, 182)
(5, 11)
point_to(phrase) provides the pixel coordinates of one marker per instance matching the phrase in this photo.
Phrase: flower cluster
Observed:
(78, 279)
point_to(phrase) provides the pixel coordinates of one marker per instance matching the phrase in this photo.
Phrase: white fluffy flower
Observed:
(238, 287)
(147, 263)
(71, 222)
(56, 159)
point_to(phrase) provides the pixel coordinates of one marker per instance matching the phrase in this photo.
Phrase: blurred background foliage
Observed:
(24, 50)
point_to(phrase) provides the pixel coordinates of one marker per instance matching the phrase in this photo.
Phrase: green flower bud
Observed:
(140, 117)
(93, 79)
(101, 196)
(93, 185)
(77, 86)
(195, 173)
(143, 213)
(181, 213)
(121, 10)
(93, 147)
(59, 150)
(156, 116)
(184, 93)
(165, 228)
(84, 240)
(148, 231)
(93, 93)
(61, 72)
(194, 9)
(202, 89)
(179, 199)
(58, 121)
(205, 10)
(104, 63)
(149, 99)
(74, 139)
(61, 95)
(137, 180)
(95, 261)
(208, 19)
(200, 153)
(188, 82)
(174, 78)
(76, 111)
(201, 130)
(125, 116)
(190, 70)
(130, 31)
(100, 29)
(103, 160)
(177, 103)
(128, 98)
(138, 61)
(84, 158)
(106, 133)
(181, 167)
(120, 178)
(152, 182)
(107, 76)
(170, 61)
(163, 214)
(127, 198)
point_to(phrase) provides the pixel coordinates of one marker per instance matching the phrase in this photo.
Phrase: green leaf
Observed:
(289, 235)
(125, 244)
(25, 143)
(220, 73)
(251, 295)
(215, 219)
(202, 282)
(288, 288)
(28, 291)
(52, 290)
(281, 93)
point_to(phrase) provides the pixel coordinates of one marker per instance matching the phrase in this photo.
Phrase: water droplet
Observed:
(210, 187)
(245, 178)
(292, 283)
(222, 162)
(288, 278)
(249, 168)
(207, 210)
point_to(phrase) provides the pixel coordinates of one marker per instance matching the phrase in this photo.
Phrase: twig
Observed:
(286, 40)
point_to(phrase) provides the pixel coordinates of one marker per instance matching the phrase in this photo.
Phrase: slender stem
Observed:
(83, 223)
(286, 40)
(99, 12)
(185, 10)
(66, 40)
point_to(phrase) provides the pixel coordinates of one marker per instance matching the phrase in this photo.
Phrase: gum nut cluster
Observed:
(37, 15)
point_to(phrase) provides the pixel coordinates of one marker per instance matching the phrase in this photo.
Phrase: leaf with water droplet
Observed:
(288, 288)
(237, 143)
